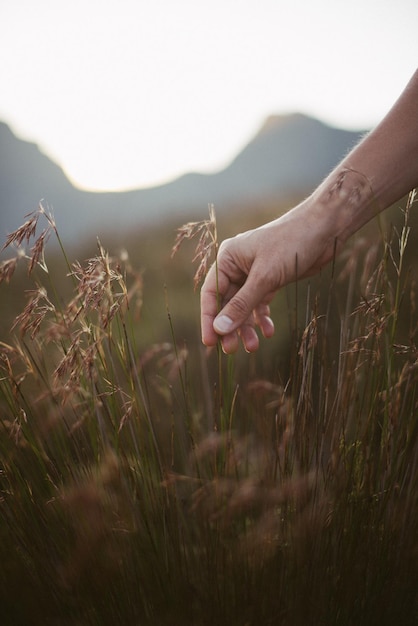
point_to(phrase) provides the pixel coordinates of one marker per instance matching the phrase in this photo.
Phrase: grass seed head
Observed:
(25, 232)
(7, 269)
(207, 245)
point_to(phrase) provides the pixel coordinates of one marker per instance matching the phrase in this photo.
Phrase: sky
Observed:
(132, 93)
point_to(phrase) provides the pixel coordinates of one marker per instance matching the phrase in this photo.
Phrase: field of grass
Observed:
(152, 482)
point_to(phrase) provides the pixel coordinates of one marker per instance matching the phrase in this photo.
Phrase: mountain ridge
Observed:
(289, 154)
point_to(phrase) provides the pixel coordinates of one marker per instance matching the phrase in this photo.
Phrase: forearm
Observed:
(379, 171)
(253, 266)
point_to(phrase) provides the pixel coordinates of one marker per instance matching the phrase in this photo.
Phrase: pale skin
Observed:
(253, 266)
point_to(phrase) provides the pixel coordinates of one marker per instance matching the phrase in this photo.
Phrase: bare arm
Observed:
(387, 158)
(252, 266)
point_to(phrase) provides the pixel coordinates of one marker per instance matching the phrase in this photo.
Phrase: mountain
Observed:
(290, 154)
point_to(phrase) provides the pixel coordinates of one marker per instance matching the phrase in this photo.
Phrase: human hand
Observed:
(251, 267)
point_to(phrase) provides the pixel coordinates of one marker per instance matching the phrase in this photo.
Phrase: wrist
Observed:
(345, 200)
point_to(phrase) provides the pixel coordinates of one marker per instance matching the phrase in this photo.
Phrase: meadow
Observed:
(146, 480)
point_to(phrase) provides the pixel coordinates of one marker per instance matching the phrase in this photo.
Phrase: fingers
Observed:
(264, 321)
(239, 305)
(229, 343)
(249, 337)
(243, 306)
(209, 308)
(217, 289)
(215, 327)
(246, 333)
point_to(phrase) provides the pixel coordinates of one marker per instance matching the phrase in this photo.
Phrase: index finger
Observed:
(209, 296)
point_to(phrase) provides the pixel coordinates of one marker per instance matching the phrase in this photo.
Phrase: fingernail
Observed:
(223, 324)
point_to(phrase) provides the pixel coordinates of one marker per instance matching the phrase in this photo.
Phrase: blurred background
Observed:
(127, 118)
(128, 94)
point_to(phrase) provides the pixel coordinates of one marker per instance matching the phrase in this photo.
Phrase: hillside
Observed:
(290, 154)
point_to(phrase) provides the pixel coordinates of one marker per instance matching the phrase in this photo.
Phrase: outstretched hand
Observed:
(251, 267)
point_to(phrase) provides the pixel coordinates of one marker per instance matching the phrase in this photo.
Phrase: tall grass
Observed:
(143, 488)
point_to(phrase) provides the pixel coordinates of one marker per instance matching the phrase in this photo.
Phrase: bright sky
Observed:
(130, 93)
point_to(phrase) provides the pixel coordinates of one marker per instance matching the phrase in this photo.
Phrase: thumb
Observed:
(239, 308)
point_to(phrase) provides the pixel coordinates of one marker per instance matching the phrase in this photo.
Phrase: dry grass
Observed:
(135, 490)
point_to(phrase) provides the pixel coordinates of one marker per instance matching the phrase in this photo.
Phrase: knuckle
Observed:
(240, 306)
(224, 246)
(270, 277)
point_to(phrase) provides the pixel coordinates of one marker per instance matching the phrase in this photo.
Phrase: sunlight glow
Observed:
(128, 93)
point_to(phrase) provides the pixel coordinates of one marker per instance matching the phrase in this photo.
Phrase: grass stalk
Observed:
(121, 502)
